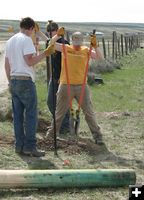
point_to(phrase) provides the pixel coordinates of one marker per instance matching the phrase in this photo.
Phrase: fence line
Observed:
(118, 45)
(121, 44)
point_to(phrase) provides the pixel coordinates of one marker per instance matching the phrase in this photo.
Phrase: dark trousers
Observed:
(65, 127)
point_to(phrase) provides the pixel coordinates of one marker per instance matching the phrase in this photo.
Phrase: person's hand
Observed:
(93, 41)
(61, 31)
(49, 50)
(37, 28)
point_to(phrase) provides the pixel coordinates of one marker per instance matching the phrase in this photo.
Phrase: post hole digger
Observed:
(75, 114)
(73, 84)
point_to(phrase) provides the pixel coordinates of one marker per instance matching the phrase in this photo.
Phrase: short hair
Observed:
(77, 38)
(53, 26)
(27, 23)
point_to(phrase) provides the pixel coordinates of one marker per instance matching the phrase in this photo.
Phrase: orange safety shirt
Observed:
(76, 64)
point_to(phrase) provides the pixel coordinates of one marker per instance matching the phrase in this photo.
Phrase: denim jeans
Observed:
(24, 105)
(65, 126)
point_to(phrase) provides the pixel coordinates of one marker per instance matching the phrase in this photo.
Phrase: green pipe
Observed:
(66, 178)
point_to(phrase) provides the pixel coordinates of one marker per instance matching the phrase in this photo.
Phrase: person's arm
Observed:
(7, 68)
(54, 39)
(97, 54)
(60, 34)
(39, 33)
(58, 46)
(32, 60)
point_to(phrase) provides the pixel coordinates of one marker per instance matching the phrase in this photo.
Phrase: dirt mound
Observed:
(71, 146)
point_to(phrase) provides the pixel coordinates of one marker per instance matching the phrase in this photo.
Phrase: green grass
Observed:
(122, 89)
(42, 95)
(42, 89)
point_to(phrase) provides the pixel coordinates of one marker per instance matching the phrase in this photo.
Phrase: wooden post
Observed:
(66, 178)
(108, 49)
(126, 45)
(122, 47)
(104, 48)
(130, 43)
(114, 45)
(118, 43)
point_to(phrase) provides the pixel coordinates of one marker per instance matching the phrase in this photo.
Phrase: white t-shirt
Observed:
(16, 47)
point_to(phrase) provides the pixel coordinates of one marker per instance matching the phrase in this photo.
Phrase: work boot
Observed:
(98, 138)
(34, 152)
(99, 141)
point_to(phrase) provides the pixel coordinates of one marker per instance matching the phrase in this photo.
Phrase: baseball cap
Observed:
(77, 38)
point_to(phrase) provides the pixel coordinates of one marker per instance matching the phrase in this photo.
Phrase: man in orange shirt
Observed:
(76, 56)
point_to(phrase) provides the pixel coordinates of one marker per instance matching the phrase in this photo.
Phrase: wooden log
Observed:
(66, 178)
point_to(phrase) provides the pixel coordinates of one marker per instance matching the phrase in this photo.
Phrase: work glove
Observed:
(61, 31)
(37, 28)
(49, 50)
(93, 41)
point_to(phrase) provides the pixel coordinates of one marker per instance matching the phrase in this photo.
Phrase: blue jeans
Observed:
(65, 126)
(24, 105)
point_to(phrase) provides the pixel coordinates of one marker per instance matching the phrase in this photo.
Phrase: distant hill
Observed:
(86, 27)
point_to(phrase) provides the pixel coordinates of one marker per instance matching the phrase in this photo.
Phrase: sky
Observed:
(126, 11)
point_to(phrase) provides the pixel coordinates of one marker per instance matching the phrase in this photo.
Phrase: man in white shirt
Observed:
(19, 61)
